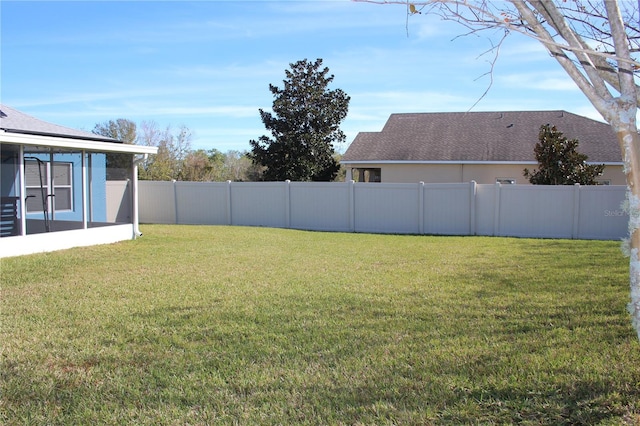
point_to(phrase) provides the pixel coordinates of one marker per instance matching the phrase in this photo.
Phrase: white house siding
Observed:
(614, 175)
(411, 173)
(457, 173)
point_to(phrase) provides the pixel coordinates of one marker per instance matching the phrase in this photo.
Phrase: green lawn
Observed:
(227, 325)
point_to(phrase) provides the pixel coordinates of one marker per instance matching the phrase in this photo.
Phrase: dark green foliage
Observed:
(121, 129)
(560, 163)
(304, 126)
(118, 164)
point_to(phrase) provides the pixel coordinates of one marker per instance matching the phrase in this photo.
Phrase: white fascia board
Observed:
(355, 163)
(80, 144)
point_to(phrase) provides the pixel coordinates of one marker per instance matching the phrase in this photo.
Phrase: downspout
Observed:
(134, 194)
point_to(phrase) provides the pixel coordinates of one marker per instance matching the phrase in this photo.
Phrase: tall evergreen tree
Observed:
(560, 163)
(304, 126)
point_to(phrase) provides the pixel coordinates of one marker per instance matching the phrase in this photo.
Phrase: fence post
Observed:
(352, 206)
(287, 204)
(472, 207)
(421, 207)
(496, 211)
(229, 212)
(175, 201)
(575, 229)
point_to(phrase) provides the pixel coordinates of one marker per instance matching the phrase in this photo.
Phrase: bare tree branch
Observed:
(487, 19)
(492, 64)
(625, 73)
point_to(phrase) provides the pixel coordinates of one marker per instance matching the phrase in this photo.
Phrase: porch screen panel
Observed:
(36, 183)
(109, 186)
(63, 189)
(10, 191)
(53, 188)
(38, 176)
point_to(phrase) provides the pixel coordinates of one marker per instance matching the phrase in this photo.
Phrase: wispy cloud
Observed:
(208, 64)
(543, 81)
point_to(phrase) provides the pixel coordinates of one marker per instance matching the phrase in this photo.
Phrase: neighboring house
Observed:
(54, 188)
(486, 147)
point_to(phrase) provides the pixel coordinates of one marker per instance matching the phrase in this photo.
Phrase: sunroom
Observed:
(63, 188)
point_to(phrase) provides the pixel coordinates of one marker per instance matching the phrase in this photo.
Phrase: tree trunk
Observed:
(630, 145)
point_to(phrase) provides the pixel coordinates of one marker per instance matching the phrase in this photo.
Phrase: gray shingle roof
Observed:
(14, 121)
(508, 136)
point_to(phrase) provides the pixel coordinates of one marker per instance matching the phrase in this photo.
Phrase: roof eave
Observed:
(88, 137)
(74, 143)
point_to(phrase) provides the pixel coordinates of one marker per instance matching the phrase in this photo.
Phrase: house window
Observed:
(506, 181)
(51, 180)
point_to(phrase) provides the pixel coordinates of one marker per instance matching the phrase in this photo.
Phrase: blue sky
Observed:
(208, 64)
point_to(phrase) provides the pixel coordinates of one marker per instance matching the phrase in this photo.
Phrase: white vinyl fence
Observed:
(118, 201)
(580, 212)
